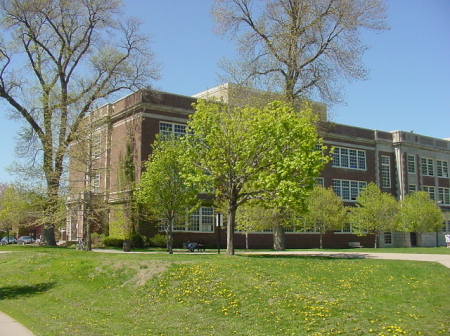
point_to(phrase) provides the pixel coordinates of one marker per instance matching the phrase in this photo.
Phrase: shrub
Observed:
(158, 240)
(114, 242)
(137, 240)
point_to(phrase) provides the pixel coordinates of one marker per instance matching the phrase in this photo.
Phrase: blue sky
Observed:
(408, 87)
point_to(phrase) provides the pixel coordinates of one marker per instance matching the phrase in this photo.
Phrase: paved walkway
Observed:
(444, 259)
(10, 327)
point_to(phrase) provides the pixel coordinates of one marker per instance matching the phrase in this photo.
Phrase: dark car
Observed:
(8, 240)
(25, 240)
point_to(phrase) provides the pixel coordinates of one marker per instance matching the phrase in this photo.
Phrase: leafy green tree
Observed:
(253, 216)
(375, 212)
(419, 213)
(303, 48)
(163, 190)
(21, 207)
(58, 60)
(325, 211)
(248, 153)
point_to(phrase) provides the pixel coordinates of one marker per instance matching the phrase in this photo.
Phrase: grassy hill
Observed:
(58, 291)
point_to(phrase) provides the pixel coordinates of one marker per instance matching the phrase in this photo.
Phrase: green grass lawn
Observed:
(57, 291)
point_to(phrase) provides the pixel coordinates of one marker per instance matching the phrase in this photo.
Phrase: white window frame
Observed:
(427, 165)
(388, 238)
(320, 182)
(444, 196)
(385, 171)
(411, 164)
(96, 145)
(442, 168)
(431, 191)
(175, 129)
(201, 220)
(348, 190)
(412, 188)
(349, 158)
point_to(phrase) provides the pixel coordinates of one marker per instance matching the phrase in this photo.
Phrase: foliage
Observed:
(58, 60)
(124, 294)
(163, 191)
(325, 211)
(158, 240)
(23, 207)
(419, 213)
(247, 153)
(375, 212)
(301, 47)
(137, 240)
(112, 241)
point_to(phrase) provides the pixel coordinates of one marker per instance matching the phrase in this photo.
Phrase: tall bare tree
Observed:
(58, 59)
(300, 47)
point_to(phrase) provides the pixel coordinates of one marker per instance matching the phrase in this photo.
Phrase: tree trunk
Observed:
(48, 235)
(321, 240)
(230, 229)
(246, 240)
(170, 236)
(278, 237)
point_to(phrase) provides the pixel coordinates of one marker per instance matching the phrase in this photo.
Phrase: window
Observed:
(201, 220)
(444, 195)
(93, 180)
(411, 164)
(385, 172)
(427, 166)
(446, 226)
(320, 182)
(346, 228)
(349, 158)
(412, 188)
(348, 190)
(388, 238)
(96, 145)
(177, 130)
(430, 191)
(442, 168)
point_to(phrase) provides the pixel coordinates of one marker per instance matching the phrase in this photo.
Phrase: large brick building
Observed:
(398, 162)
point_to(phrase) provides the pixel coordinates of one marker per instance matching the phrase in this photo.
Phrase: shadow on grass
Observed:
(322, 256)
(12, 292)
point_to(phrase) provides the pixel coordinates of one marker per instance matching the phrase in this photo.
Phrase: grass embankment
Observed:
(67, 292)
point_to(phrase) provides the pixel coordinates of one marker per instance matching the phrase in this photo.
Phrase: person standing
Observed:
(447, 239)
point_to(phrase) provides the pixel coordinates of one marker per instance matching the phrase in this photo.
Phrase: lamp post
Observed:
(219, 224)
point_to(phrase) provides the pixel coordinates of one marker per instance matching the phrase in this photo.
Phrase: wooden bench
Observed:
(355, 244)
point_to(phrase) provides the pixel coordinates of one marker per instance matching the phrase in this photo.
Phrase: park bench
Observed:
(355, 244)
(194, 246)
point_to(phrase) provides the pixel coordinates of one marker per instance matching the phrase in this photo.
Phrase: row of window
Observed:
(443, 193)
(428, 167)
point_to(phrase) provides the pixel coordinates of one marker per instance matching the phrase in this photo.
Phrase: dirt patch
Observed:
(145, 270)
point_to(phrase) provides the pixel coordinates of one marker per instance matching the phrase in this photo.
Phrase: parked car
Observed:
(25, 240)
(8, 240)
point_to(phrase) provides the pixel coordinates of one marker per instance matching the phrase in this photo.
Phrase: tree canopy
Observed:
(58, 59)
(299, 47)
(249, 153)
(419, 213)
(325, 211)
(375, 212)
(163, 190)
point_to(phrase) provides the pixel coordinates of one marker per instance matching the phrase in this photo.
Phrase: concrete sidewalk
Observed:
(444, 259)
(10, 327)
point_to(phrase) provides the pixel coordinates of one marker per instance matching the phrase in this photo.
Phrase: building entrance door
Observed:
(413, 238)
